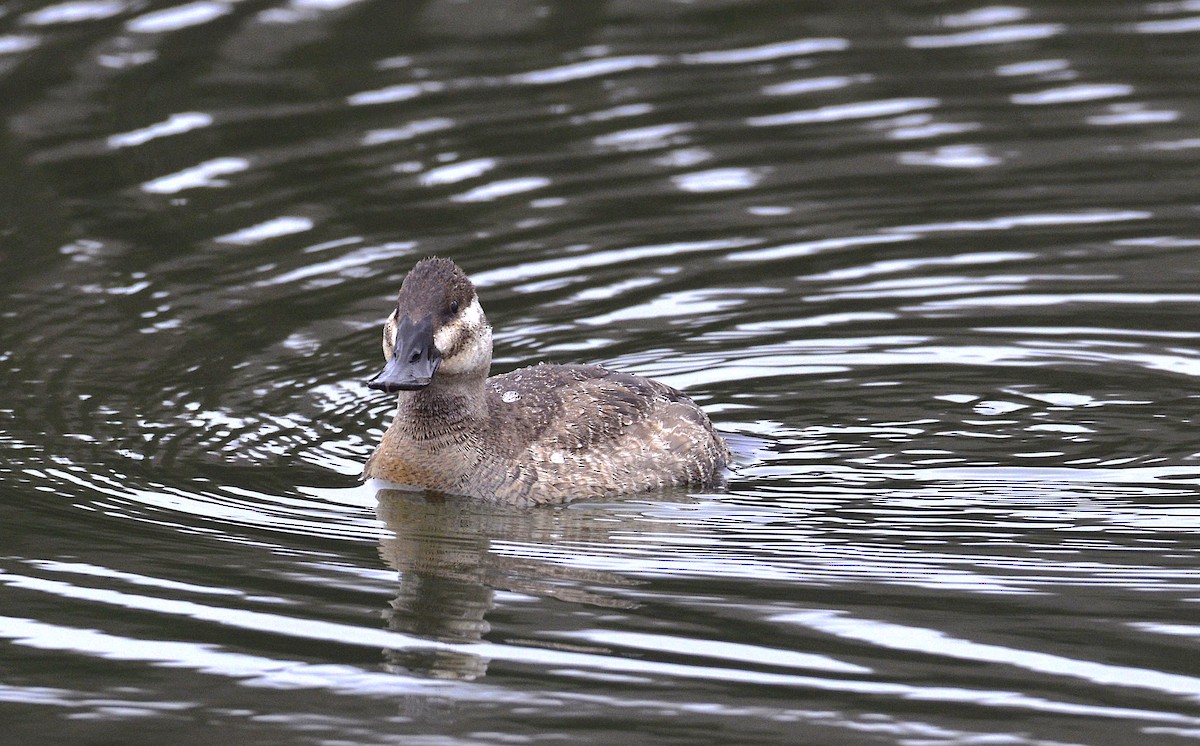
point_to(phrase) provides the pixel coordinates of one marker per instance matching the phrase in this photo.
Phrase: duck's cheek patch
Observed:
(467, 324)
(389, 337)
(446, 339)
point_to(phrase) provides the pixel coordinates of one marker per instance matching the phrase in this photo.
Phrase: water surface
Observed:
(929, 266)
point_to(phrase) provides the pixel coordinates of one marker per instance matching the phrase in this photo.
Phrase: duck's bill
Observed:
(414, 362)
(398, 375)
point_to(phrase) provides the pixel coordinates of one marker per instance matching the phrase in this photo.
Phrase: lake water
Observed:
(932, 267)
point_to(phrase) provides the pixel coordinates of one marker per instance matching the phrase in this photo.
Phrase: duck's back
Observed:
(556, 432)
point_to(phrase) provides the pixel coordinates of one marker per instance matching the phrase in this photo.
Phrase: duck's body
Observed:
(544, 434)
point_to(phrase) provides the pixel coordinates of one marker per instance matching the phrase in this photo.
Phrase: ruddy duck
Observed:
(543, 434)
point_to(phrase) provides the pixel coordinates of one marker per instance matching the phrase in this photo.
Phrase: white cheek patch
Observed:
(473, 331)
(468, 321)
(475, 356)
(389, 336)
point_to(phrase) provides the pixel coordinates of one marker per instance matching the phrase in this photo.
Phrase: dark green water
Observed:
(931, 266)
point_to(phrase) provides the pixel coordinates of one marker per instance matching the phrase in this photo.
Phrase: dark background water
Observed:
(930, 265)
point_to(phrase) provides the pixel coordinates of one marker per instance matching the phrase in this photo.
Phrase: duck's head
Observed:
(437, 328)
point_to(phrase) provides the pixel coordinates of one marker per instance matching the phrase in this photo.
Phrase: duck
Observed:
(544, 434)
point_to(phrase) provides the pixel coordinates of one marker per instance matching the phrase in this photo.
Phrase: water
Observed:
(930, 266)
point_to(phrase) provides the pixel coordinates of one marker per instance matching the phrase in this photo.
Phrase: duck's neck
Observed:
(447, 404)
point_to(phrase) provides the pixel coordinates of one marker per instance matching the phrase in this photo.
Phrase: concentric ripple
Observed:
(931, 270)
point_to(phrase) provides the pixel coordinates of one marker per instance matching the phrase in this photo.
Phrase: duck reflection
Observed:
(453, 554)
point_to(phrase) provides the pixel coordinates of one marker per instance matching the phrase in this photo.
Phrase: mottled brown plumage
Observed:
(544, 434)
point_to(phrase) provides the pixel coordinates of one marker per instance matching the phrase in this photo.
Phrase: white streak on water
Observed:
(502, 188)
(1009, 222)
(202, 175)
(1047, 299)
(979, 37)
(173, 125)
(643, 138)
(281, 226)
(936, 643)
(718, 180)
(808, 248)
(1073, 94)
(950, 156)
(252, 670)
(987, 16)
(780, 50)
(80, 568)
(339, 266)
(455, 172)
(843, 112)
(602, 67)
(16, 43)
(74, 12)
(1187, 25)
(728, 651)
(1133, 114)
(392, 94)
(814, 85)
(892, 266)
(290, 675)
(1182, 630)
(573, 263)
(179, 17)
(406, 131)
(1034, 67)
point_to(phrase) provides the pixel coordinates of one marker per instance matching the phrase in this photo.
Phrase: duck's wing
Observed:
(578, 408)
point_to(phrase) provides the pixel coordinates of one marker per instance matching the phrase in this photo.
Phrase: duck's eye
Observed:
(453, 307)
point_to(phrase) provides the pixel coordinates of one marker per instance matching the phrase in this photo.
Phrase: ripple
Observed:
(285, 225)
(643, 138)
(946, 331)
(808, 248)
(919, 264)
(952, 156)
(250, 670)
(392, 94)
(781, 50)
(995, 35)
(203, 175)
(1189, 25)
(987, 16)
(343, 265)
(934, 642)
(78, 11)
(176, 124)
(529, 270)
(180, 17)
(805, 86)
(730, 652)
(687, 303)
(1132, 114)
(1035, 67)
(1045, 299)
(407, 131)
(503, 188)
(17, 43)
(717, 180)
(601, 67)
(845, 112)
(256, 671)
(454, 172)
(1073, 94)
(1010, 222)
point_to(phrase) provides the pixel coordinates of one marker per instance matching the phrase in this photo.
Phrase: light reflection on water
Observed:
(458, 561)
(933, 277)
